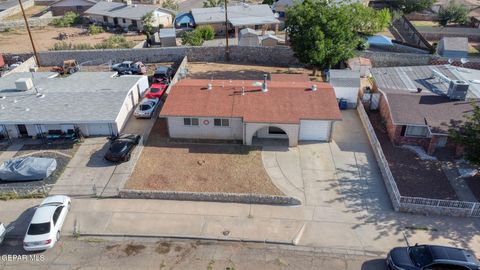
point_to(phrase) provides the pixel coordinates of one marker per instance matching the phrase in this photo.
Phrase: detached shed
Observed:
(453, 47)
(248, 37)
(269, 40)
(346, 84)
(167, 37)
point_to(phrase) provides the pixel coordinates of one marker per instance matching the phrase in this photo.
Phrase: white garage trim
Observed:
(315, 130)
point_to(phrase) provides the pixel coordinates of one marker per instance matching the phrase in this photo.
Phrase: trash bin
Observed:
(342, 104)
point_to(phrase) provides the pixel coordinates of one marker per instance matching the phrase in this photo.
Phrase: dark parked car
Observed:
(121, 147)
(129, 67)
(163, 74)
(423, 257)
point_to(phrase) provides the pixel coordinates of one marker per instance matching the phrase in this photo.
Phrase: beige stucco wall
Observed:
(252, 128)
(177, 129)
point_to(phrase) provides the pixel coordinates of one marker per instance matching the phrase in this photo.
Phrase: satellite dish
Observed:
(450, 61)
(463, 60)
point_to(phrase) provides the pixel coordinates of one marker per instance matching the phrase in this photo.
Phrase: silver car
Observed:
(146, 108)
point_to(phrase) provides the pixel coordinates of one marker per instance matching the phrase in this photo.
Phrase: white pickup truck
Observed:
(2, 232)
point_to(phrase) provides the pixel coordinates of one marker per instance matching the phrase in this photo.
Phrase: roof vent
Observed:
(243, 91)
(24, 84)
(209, 86)
(314, 87)
(264, 84)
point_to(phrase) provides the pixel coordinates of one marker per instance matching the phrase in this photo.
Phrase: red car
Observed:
(156, 91)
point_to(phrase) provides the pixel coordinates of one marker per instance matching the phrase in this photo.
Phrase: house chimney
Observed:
(264, 85)
(314, 87)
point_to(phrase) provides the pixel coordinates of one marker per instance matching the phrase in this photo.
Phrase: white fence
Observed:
(412, 204)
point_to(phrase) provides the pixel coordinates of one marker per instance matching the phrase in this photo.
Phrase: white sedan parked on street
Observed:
(44, 229)
(146, 108)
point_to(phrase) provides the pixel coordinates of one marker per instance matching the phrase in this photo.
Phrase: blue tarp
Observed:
(379, 40)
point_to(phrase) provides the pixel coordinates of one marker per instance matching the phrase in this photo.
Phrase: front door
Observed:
(22, 130)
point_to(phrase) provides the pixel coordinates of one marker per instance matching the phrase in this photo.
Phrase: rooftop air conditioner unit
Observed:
(457, 89)
(24, 84)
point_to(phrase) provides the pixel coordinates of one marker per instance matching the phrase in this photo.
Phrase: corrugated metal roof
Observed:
(81, 97)
(345, 78)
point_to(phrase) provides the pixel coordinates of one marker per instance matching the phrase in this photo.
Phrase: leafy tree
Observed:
(367, 20)
(93, 29)
(147, 21)
(323, 33)
(206, 32)
(409, 6)
(170, 4)
(192, 38)
(453, 13)
(213, 3)
(70, 18)
(468, 135)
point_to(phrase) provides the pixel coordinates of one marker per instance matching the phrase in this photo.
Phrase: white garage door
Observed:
(99, 130)
(314, 130)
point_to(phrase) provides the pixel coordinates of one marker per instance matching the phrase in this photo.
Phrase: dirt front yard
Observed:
(227, 71)
(199, 167)
(17, 41)
(414, 177)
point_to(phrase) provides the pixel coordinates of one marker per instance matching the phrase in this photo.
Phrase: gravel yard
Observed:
(414, 177)
(200, 167)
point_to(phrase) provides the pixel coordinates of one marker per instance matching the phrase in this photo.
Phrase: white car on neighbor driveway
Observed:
(3, 231)
(146, 108)
(44, 229)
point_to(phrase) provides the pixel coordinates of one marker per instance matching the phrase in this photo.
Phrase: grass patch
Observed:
(11, 195)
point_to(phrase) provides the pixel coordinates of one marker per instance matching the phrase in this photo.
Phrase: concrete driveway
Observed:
(88, 173)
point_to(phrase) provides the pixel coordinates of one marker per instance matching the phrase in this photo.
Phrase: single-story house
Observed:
(453, 47)
(184, 21)
(98, 103)
(346, 84)
(126, 15)
(59, 8)
(239, 16)
(245, 110)
(419, 104)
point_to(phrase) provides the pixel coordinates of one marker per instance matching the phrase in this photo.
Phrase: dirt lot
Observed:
(228, 71)
(414, 177)
(199, 167)
(17, 41)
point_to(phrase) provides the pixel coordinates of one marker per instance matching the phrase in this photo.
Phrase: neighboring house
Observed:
(281, 6)
(453, 47)
(419, 104)
(98, 103)
(245, 110)
(61, 7)
(240, 16)
(184, 21)
(125, 15)
(346, 84)
(248, 37)
(167, 37)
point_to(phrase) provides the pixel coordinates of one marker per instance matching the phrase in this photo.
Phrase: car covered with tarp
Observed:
(27, 169)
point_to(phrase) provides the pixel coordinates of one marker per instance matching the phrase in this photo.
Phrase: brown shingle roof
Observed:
(285, 102)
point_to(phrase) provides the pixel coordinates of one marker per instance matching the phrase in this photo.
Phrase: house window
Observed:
(221, 122)
(134, 23)
(190, 121)
(124, 21)
(275, 130)
(105, 19)
(416, 131)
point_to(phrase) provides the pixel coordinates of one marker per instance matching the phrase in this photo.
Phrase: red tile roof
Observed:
(285, 102)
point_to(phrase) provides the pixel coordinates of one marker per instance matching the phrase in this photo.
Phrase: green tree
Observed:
(207, 32)
(213, 3)
(453, 13)
(70, 18)
(323, 33)
(94, 30)
(147, 21)
(468, 135)
(367, 20)
(409, 6)
(192, 38)
(170, 4)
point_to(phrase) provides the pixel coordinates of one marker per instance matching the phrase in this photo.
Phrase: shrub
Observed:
(7, 29)
(70, 18)
(453, 13)
(192, 38)
(94, 30)
(206, 32)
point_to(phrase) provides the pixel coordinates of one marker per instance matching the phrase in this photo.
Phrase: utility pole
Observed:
(227, 51)
(37, 60)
